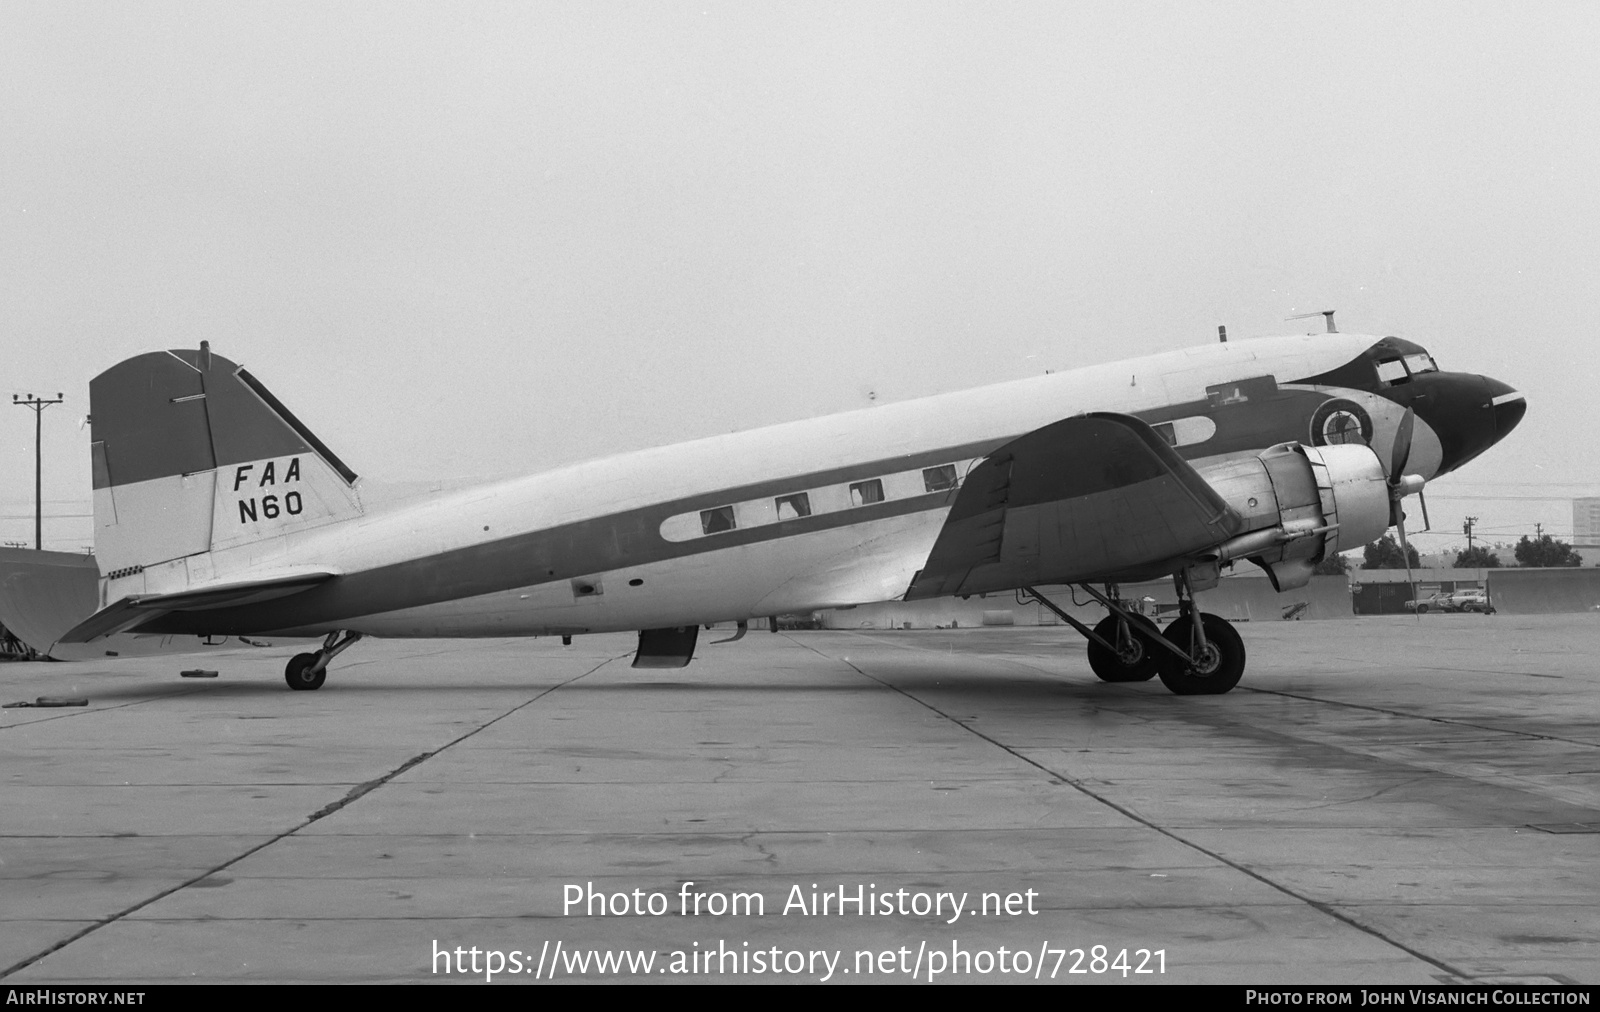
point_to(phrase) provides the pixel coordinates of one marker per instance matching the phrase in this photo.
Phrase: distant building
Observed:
(1586, 529)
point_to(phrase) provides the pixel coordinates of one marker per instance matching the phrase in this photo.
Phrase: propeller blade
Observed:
(1405, 554)
(1402, 445)
(1427, 525)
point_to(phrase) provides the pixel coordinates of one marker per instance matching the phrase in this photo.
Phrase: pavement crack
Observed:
(753, 840)
(360, 789)
(1535, 736)
(86, 711)
(355, 794)
(1327, 909)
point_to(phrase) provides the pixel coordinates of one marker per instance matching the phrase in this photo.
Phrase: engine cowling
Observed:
(1300, 504)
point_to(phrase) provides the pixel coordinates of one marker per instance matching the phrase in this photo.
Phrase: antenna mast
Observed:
(1326, 314)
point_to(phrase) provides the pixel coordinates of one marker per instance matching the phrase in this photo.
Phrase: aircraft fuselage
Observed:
(824, 512)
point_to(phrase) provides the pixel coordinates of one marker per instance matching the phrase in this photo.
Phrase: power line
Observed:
(1474, 497)
(52, 516)
(38, 404)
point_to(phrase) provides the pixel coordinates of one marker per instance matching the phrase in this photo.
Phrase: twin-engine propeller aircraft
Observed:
(217, 513)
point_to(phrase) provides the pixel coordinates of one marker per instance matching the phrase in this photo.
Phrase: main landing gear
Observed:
(1192, 658)
(308, 671)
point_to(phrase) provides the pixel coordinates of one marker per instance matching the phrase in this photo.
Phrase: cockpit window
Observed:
(1420, 363)
(1400, 370)
(1390, 361)
(1393, 371)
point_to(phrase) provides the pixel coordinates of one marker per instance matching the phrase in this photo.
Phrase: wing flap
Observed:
(132, 611)
(1084, 499)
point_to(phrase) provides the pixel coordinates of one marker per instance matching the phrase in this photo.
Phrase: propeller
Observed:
(1402, 485)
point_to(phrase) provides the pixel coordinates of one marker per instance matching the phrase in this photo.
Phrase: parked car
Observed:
(1471, 600)
(1433, 602)
(1455, 601)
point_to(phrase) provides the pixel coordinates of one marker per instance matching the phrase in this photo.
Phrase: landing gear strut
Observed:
(1135, 659)
(1192, 658)
(308, 671)
(1215, 660)
(1134, 656)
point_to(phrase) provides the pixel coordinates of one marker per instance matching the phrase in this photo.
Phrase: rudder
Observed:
(192, 454)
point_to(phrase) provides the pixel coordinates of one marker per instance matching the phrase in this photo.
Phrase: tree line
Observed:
(1542, 551)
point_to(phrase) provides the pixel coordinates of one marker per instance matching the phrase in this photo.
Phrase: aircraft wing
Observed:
(1096, 497)
(135, 610)
(43, 594)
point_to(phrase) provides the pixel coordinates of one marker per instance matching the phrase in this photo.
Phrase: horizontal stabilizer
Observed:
(1094, 497)
(135, 610)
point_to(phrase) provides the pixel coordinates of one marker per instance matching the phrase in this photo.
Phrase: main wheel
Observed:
(1136, 662)
(299, 673)
(1215, 671)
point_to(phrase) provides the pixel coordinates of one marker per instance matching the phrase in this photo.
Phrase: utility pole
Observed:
(38, 404)
(1538, 532)
(1466, 528)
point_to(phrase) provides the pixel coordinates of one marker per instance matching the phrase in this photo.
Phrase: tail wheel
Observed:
(300, 674)
(1136, 661)
(1217, 668)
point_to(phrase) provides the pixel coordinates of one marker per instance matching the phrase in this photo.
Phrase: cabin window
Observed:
(1167, 432)
(792, 506)
(938, 479)
(864, 492)
(715, 521)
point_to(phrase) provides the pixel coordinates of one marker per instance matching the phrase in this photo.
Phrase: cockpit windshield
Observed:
(1401, 368)
(1420, 363)
(1392, 361)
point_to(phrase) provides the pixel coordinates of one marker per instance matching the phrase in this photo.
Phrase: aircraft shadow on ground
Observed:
(913, 682)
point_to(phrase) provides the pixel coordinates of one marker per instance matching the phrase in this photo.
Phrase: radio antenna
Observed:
(1326, 314)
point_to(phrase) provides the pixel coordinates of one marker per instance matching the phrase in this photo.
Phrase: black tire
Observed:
(299, 675)
(1213, 674)
(1112, 668)
(1422, 609)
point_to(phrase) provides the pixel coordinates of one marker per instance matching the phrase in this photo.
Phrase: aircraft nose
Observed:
(1508, 405)
(1469, 413)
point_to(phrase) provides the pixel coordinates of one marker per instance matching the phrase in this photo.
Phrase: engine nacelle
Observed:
(1300, 504)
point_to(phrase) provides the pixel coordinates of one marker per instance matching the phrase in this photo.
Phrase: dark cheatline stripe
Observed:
(632, 538)
(583, 548)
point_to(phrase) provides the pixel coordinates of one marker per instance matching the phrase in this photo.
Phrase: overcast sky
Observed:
(463, 238)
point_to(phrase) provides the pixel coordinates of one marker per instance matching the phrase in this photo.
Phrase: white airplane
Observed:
(218, 514)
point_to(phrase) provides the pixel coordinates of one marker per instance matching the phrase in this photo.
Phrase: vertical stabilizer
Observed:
(192, 455)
